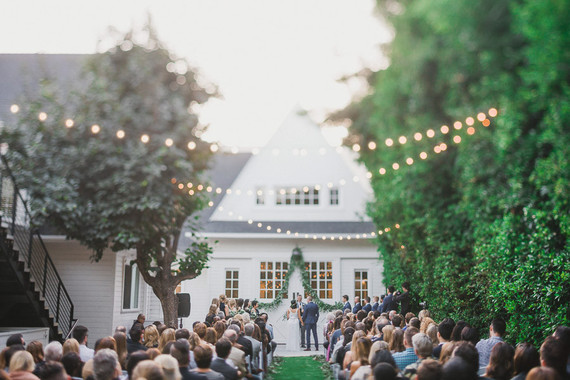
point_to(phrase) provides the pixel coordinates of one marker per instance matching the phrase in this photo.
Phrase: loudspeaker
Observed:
(183, 305)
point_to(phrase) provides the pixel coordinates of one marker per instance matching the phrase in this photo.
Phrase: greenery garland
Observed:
(297, 262)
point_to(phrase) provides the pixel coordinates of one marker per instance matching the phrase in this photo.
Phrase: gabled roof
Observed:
(22, 73)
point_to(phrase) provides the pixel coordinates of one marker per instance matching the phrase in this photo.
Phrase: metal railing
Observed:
(29, 243)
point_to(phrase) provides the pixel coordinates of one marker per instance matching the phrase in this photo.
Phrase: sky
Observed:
(267, 57)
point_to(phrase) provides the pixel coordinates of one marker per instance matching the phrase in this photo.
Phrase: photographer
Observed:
(403, 298)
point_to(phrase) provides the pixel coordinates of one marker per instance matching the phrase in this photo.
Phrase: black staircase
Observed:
(31, 291)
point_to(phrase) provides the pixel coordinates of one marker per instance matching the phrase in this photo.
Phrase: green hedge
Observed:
(485, 225)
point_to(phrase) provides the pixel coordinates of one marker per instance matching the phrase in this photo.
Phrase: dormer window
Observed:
(296, 196)
(334, 196)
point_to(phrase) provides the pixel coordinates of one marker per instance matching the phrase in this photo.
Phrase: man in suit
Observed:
(375, 304)
(301, 306)
(223, 348)
(256, 347)
(346, 304)
(236, 355)
(387, 305)
(357, 306)
(242, 343)
(310, 318)
(367, 307)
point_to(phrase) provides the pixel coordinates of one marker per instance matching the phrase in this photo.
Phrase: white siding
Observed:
(246, 254)
(90, 285)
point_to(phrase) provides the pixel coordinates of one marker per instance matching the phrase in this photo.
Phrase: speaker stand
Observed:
(180, 323)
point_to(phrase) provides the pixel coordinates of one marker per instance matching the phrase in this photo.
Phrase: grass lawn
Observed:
(302, 367)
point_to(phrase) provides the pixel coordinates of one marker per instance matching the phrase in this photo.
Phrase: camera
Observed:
(423, 305)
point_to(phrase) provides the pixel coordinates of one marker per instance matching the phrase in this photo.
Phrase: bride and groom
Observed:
(308, 318)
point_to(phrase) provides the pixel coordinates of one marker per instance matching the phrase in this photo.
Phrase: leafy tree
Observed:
(484, 224)
(89, 174)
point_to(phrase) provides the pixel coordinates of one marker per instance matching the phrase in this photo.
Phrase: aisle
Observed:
(300, 367)
(280, 351)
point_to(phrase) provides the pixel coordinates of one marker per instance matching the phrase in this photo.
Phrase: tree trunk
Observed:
(169, 302)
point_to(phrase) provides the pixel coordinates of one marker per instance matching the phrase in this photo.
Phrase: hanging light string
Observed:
(302, 151)
(275, 228)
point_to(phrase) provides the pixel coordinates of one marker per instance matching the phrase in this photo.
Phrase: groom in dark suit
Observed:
(311, 317)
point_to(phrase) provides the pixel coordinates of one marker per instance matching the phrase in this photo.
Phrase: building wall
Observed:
(245, 255)
(90, 284)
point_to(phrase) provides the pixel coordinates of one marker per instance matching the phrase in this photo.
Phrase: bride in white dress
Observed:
(293, 330)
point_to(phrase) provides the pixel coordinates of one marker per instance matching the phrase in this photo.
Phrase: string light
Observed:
(145, 138)
(457, 139)
(370, 145)
(95, 129)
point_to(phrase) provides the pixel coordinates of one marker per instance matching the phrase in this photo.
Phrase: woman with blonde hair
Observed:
(151, 336)
(396, 344)
(169, 367)
(21, 366)
(148, 370)
(388, 331)
(167, 335)
(153, 352)
(349, 356)
(232, 307)
(361, 351)
(425, 322)
(71, 345)
(432, 333)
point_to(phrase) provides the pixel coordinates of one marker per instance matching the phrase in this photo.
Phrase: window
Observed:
(320, 276)
(131, 279)
(334, 196)
(293, 196)
(232, 283)
(260, 197)
(361, 283)
(272, 276)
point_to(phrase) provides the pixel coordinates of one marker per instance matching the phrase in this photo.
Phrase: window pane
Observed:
(228, 284)
(235, 284)
(322, 294)
(270, 294)
(236, 274)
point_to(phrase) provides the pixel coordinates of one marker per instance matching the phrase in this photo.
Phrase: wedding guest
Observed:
(71, 345)
(396, 343)
(407, 356)
(357, 306)
(526, 358)
(496, 331)
(148, 370)
(203, 355)
(346, 304)
(223, 306)
(21, 366)
(542, 373)
(223, 348)
(169, 367)
(151, 336)
(444, 330)
(500, 365)
(361, 351)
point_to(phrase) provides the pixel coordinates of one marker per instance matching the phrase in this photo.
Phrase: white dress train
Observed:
(293, 332)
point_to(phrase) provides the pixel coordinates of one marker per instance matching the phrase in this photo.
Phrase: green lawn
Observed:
(305, 367)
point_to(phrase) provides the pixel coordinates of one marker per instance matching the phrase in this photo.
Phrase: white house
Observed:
(297, 191)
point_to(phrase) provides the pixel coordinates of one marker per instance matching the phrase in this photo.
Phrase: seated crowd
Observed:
(234, 342)
(384, 346)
